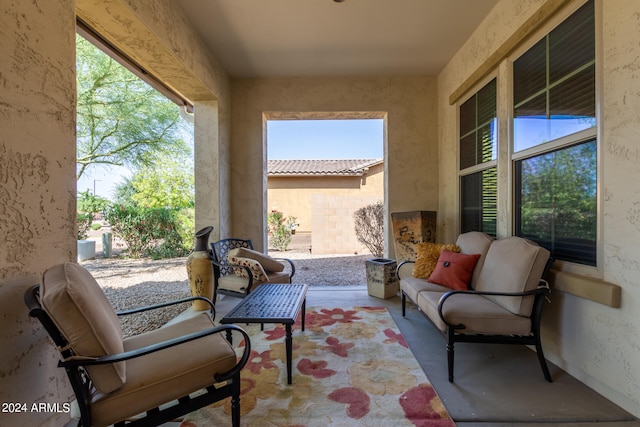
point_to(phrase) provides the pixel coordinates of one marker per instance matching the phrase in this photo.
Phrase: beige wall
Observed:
(411, 163)
(595, 343)
(38, 150)
(292, 195)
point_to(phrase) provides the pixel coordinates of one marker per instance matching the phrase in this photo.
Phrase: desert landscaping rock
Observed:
(133, 283)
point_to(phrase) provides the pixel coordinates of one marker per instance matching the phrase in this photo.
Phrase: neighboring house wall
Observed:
(324, 206)
(333, 224)
(595, 343)
(292, 194)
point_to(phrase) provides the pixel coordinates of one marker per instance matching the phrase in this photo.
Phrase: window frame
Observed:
(564, 141)
(479, 167)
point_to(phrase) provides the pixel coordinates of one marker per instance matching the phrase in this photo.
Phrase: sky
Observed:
(286, 140)
(324, 139)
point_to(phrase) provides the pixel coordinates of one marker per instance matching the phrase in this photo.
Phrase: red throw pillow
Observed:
(454, 270)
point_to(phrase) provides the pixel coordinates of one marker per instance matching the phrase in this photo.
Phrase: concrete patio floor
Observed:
(495, 385)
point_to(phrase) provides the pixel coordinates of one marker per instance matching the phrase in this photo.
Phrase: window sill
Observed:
(590, 288)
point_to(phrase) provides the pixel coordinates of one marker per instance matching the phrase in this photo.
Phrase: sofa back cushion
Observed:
(475, 242)
(512, 265)
(81, 311)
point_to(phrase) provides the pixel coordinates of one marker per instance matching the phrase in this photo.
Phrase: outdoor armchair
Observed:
(143, 380)
(238, 269)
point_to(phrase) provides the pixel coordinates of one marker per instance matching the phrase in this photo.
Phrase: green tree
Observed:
(120, 119)
(170, 185)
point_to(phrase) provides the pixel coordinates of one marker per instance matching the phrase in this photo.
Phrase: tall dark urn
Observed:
(200, 270)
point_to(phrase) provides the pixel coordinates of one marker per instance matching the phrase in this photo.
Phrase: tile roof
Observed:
(345, 167)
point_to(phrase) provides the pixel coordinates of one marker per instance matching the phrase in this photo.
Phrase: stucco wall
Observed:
(595, 343)
(411, 137)
(37, 158)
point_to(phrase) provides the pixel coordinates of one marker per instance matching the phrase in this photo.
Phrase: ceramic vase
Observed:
(200, 270)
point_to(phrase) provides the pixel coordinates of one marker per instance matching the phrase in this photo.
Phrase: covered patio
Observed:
(590, 328)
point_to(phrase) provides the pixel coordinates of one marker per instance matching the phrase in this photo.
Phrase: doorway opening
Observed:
(321, 168)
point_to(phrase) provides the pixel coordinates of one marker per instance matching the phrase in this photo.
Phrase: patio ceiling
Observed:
(312, 38)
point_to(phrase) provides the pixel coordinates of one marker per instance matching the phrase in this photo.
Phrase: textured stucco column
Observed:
(207, 159)
(37, 192)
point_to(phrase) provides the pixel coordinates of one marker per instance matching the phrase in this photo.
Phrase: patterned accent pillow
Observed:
(427, 258)
(267, 263)
(256, 269)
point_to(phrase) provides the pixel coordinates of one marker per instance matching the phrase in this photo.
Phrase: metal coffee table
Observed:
(272, 303)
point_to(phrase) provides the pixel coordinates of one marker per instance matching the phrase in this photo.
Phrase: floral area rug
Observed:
(351, 367)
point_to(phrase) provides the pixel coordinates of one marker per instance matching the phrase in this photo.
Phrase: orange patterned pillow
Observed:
(454, 270)
(427, 258)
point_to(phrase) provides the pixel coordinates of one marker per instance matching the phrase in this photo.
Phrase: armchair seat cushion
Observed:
(154, 379)
(479, 314)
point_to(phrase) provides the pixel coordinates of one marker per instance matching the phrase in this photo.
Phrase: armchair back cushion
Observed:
(268, 263)
(513, 265)
(76, 304)
(475, 242)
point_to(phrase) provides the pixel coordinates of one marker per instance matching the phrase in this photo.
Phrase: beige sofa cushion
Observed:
(475, 242)
(79, 308)
(413, 286)
(159, 377)
(479, 315)
(268, 263)
(513, 265)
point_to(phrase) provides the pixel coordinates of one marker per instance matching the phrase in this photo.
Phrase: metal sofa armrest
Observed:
(399, 268)
(541, 290)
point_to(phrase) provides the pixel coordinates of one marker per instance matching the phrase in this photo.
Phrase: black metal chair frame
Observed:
(221, 266)
(82, 385)
(455, 332)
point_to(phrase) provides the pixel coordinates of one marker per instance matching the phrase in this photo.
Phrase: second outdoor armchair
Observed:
(238, 269)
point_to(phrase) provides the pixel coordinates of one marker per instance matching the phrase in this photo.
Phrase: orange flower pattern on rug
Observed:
(350, 367)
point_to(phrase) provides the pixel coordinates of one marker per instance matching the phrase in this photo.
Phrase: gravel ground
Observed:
(134, 283)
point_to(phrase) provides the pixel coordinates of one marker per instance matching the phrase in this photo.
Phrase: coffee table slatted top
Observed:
(269, 303)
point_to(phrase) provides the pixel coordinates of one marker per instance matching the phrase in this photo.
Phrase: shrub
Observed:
(156, 232)
(369, 227)
(84, 221)
(279, 230)
(96, 226)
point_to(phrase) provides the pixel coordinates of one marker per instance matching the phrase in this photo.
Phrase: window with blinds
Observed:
(479, 201)
(554, 112)
(554, 83)
(478, 171)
